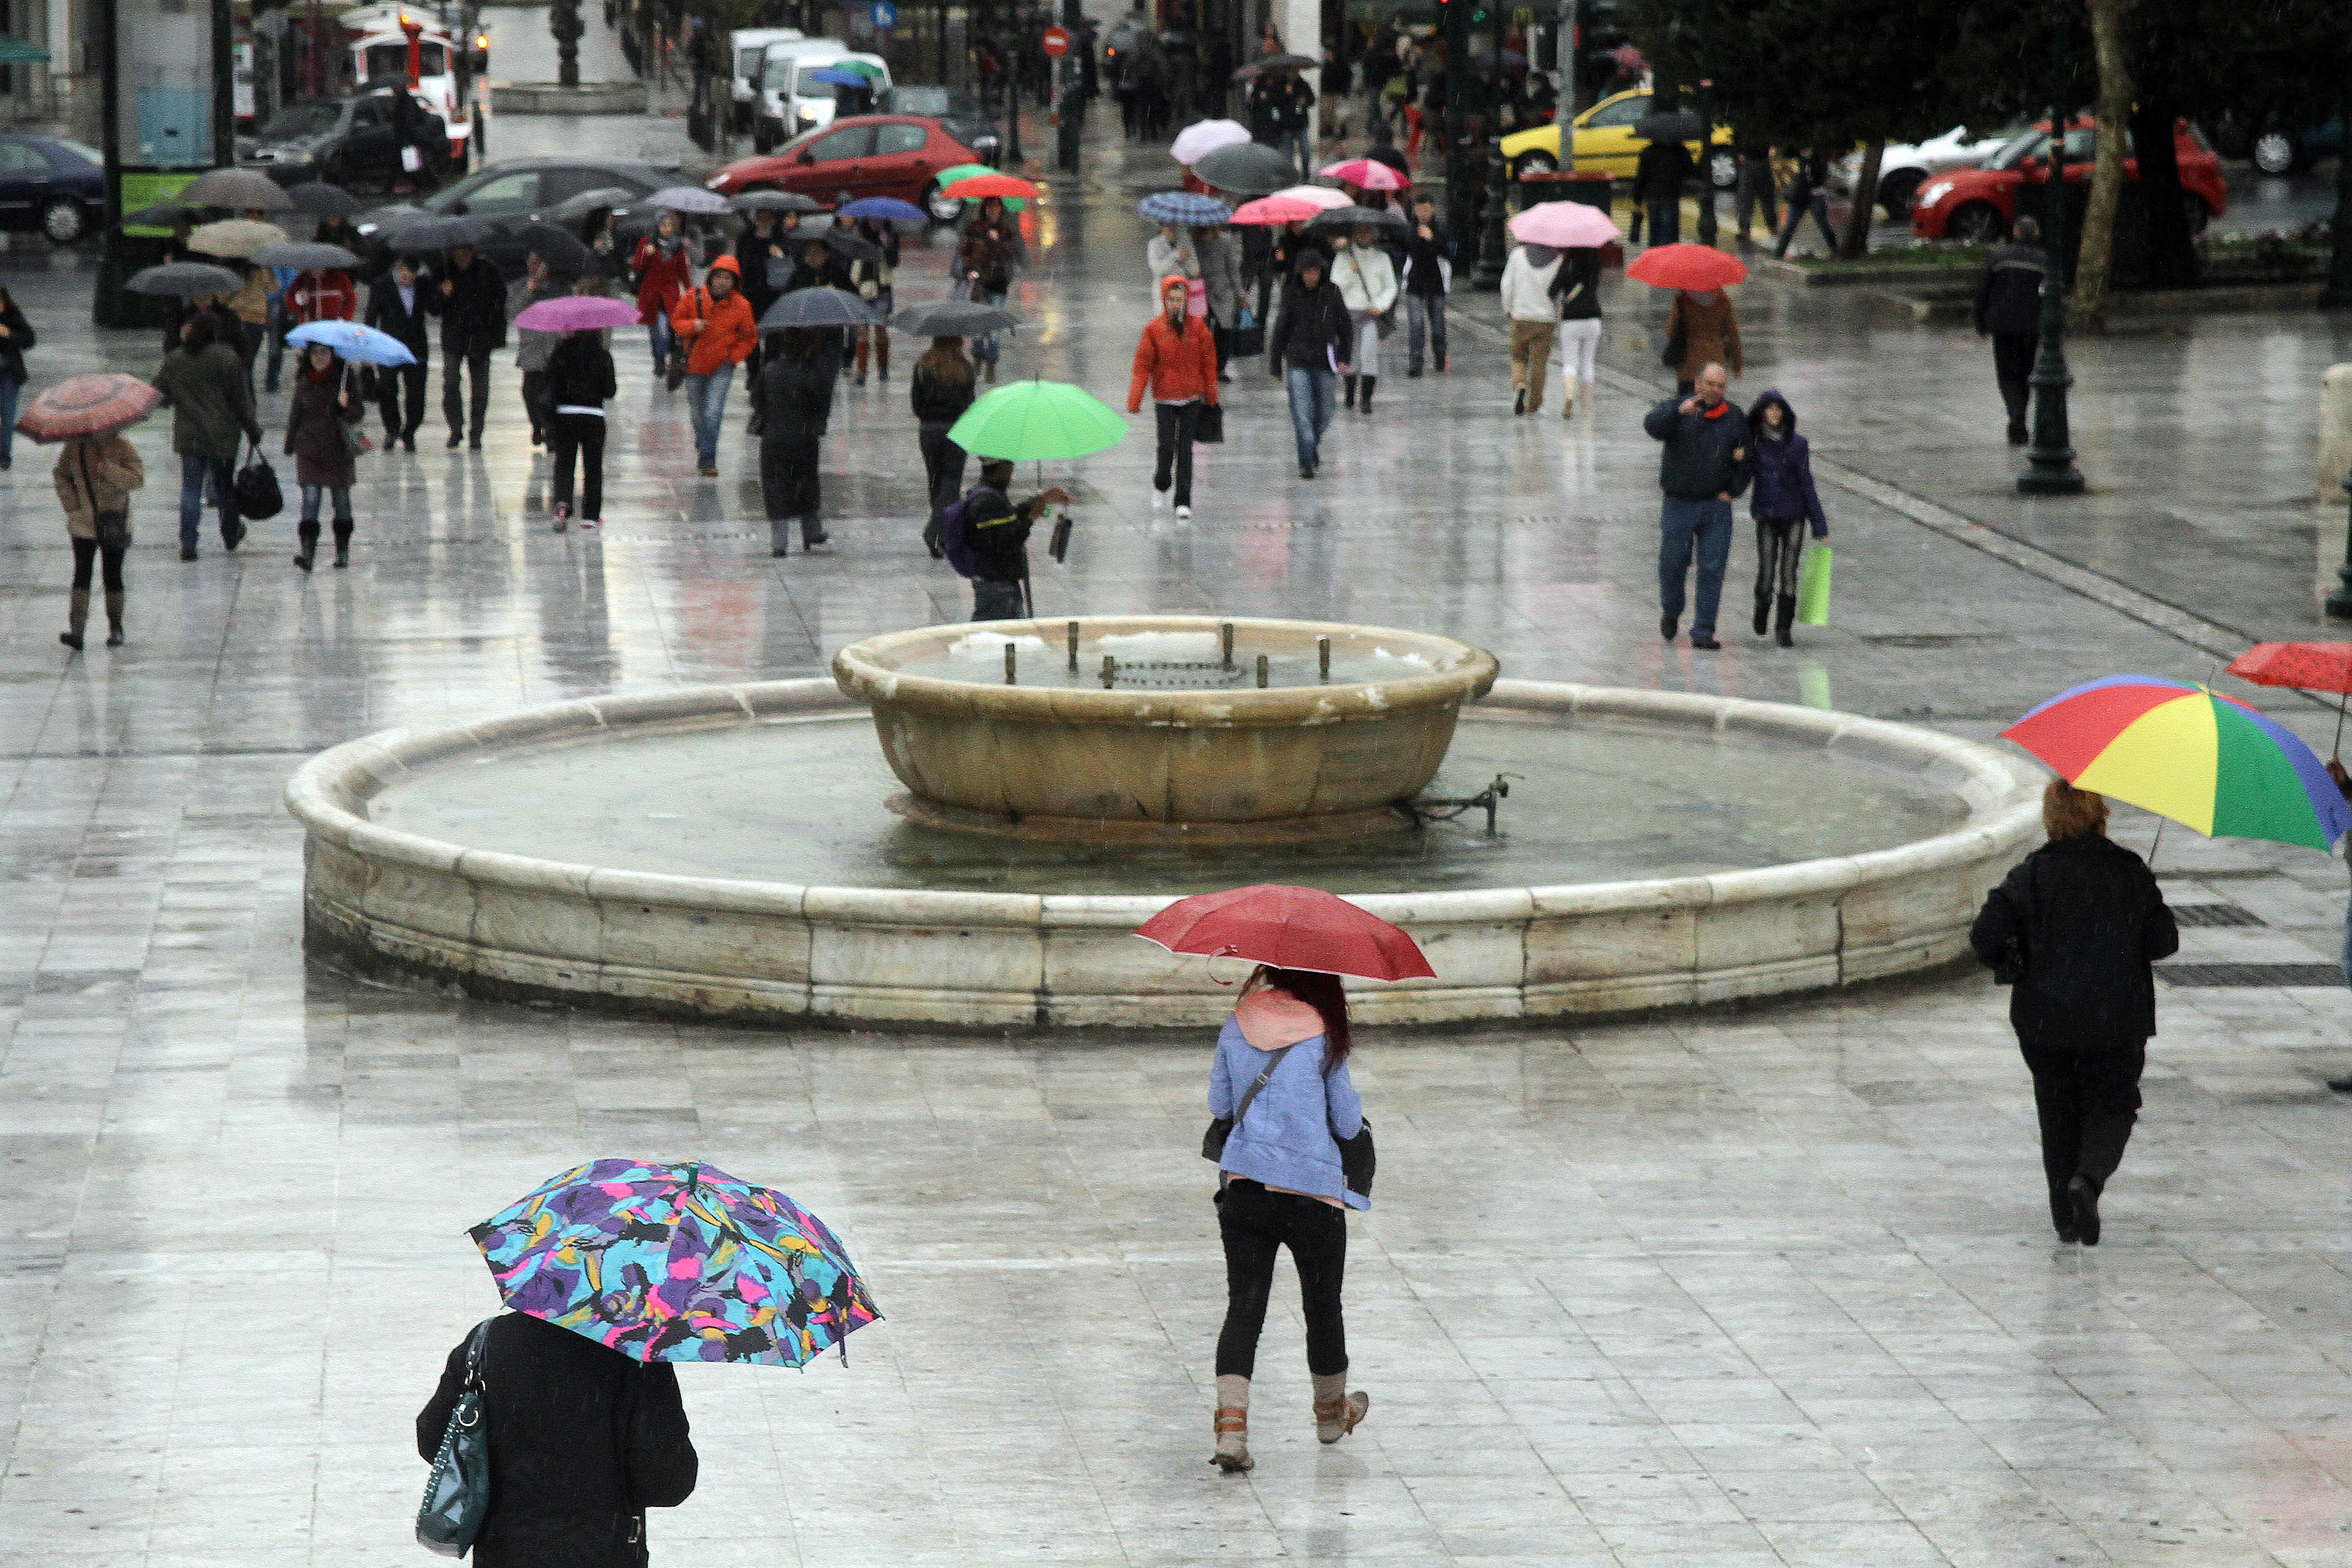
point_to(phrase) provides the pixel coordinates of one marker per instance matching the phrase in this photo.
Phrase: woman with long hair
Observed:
(1281, 1074)
(579, 381)
(878, 286)
(317, 417)
(944, 386)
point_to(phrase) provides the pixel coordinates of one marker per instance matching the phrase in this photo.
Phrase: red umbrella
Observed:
(1367, 175)
(1274, 211)
(1687, 267)
(2304, 666)
(97, 404)
(1290, 928)
(971, 187)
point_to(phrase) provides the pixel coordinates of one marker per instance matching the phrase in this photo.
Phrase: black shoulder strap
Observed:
(1241, 1109)
(477, 1350)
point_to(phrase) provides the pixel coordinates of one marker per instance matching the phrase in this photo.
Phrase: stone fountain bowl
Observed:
(1059, 756)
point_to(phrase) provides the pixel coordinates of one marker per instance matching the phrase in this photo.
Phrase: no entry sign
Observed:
(1057, 42)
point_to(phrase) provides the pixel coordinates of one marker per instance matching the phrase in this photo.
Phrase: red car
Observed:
(1978, 206)
(866, 154)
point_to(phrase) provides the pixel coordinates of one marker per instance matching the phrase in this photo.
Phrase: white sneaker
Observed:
(1184, 514)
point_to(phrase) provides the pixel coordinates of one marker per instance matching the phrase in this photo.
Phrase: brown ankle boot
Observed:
(1336, 1410)
(1233, 1454)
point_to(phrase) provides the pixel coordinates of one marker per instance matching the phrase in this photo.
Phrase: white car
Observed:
(1903, 168)
(770, 124)
(749, 47)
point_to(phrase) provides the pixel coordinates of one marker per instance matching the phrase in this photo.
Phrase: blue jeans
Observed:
(1314, 396)
(985, 346)
(341, 496)
(1424, 318)
(10, 391)
(1293, 145)
(278, 329)
(705, 400)
(659, 331)
(195, 469)
(1684, 526)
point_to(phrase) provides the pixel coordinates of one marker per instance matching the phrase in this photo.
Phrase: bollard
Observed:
(1261, 672)
(1110, 671)
(1074, 648)
(1323, 657)
(1225, 636)
(1009, 656)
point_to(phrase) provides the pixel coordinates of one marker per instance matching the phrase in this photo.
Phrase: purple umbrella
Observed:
(574, 312)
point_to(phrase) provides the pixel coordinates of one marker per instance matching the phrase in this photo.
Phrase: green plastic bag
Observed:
(1813, 587)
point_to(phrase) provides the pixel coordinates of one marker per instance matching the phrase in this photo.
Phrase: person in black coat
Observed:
(397, 306)
(1658, 175)
(579, 381)
(15, 337)
(471, 300)
(583, 1441)
(2073, 932)
(819, 267)
(797, 380)
(1311, 347)
(945, 383)
(2009, 312)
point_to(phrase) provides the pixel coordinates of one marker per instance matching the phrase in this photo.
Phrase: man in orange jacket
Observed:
(715, 324)
(1177, 363)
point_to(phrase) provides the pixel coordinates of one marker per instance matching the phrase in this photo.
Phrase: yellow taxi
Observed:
(1605, 142)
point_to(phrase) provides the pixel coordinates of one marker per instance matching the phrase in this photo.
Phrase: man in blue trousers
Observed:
(1702, 467)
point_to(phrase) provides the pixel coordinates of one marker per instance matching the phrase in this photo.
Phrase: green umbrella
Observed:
(18, 52)
(865, 68)
(1038, 419)
(949, 177)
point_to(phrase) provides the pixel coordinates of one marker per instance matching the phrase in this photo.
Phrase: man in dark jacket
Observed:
(1310, 348)
(1428, 270)
(1809, 196)
(2009, 312)
(583, 1441)
(999, 541)
(796, 383)
(1281, 110)
(2073, 932)
(397, 306)
(1703, 465)
(1658, 176)
(471, 301)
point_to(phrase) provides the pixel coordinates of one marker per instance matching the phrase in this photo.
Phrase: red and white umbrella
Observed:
(1367, 174)
(1274, 211)
(1289, 928)
(1321, 196)
(97, 404)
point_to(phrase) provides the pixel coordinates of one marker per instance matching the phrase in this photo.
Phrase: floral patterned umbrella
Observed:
(676, 1263)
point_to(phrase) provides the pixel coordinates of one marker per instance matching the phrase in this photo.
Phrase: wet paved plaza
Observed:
(1768, 1287)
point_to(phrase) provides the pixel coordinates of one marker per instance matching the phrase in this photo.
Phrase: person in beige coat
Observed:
(95, 476)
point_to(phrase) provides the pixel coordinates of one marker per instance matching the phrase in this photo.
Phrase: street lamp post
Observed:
(2050, 462)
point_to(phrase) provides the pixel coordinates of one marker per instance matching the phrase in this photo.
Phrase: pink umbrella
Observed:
(97, 404)
(574, 312)
(1322, 197)
(1564, 226)
(1274, 211)
(1367, 174)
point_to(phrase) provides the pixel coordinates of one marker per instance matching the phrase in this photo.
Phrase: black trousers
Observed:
(1177, 423)
(477, 368)
(396, 385)
(89, 552)
(2087, 1101)
(581, 436)
(788, 475)
(1255, 1223)
(2012, 367)
(535, 403)
(1780, 548)
(942, 472)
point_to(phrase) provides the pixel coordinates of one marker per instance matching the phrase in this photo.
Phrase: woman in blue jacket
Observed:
(1281, 1071)
(1783, 501)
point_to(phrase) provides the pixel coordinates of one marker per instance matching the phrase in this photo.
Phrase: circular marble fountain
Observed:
(726, 852)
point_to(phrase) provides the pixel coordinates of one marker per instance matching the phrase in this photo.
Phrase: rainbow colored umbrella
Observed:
(2188, 754)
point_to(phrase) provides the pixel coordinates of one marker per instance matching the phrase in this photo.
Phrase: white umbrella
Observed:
(1323, 196)
(1206, 137)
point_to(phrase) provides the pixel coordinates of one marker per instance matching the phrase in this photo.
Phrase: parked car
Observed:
(770, 125)
(56, 187)
(866, 155)
(956, 109)
(748, 46)
(1978, 206)
(342, 141)
(1904, 167)
(1605, 143)
(2279, 146)
(520, 189)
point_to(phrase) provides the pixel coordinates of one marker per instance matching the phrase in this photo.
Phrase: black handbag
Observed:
(113, 530)
(2009, 965)
(1357, 1160)
(257, 492)
(1213, 1141)
(457, 1492)
(1209, 425)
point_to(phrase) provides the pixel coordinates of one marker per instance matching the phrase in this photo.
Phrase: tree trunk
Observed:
(2111, 112)
(2171, 254)
(1854, 242)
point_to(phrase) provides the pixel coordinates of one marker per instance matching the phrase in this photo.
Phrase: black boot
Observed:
(813, 532)
(1351, 390)
(1364, 404)
(343, 543)
(114, 617)
(1763, 610)
(308, 533)
(1782, 621)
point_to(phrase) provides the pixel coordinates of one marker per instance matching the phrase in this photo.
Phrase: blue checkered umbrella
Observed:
(1188, 209)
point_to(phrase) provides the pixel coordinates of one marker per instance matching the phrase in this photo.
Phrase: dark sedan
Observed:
(57, 187)
(520, 189)
(346, 142)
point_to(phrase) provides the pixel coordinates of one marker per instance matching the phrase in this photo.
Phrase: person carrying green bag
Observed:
(1783, 502)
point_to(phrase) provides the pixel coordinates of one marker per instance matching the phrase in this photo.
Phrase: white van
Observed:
(771, 126)
(804, 104)
(747, 47)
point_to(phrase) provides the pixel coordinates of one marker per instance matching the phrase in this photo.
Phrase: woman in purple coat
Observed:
(1783, 502)
(316, 415)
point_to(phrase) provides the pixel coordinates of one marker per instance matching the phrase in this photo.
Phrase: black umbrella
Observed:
(558, 247)
(305, 256)
(1384, 153)
(1680, 126)
(818, 308)
(184, 278)
(322, 200)
(1252, 168)
(238, 188)
(571, 209)
(840, 242)
(431, 231)
(1350, 216)
(953, 319)
(163, 215)
(776, 202)
(1273, 63)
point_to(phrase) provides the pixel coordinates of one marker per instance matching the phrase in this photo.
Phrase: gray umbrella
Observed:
(322, 200)
(163, 215)
(556, 246)
(571, 209)
(953, 319)
(1350, 216)
(183, 278)
(238, 188)
(776, 202)
(689, 199)
(431, 231)
(817, 308)
(1275, 62)
(306, 256)
(1680, 126)
(1252, 168)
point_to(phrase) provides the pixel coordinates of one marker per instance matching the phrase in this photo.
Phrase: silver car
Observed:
(1903, 168)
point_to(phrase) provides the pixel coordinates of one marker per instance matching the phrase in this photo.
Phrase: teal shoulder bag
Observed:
(457, 1493)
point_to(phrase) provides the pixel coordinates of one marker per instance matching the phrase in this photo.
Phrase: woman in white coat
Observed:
(1368, 287)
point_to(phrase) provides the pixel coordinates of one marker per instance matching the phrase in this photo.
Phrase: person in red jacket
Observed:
(715, 321)
(664, 272)
(1177, 363)
(328, 295)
